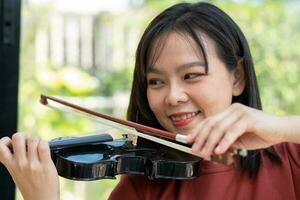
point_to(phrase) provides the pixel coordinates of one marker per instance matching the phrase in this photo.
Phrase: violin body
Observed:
(104, 158)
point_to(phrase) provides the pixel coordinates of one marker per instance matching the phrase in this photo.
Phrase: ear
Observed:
(239, 82)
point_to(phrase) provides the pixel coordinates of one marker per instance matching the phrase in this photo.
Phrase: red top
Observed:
(274, 181)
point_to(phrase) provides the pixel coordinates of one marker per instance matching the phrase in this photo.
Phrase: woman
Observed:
(194, 75)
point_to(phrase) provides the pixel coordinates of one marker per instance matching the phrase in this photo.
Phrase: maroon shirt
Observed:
(274, 181)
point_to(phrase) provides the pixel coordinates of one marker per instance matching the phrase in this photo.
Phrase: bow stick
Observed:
(128, 127)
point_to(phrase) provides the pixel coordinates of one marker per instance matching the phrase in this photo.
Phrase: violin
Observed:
(100, 156)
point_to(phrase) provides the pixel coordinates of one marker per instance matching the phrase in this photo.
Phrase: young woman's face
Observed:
(179, 92)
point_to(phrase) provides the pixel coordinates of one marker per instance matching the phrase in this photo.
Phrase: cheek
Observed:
(154, 101)
(213, 99)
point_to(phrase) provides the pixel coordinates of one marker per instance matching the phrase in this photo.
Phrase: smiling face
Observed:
(180, 92)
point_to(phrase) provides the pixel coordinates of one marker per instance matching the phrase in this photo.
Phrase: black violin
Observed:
(100, 157)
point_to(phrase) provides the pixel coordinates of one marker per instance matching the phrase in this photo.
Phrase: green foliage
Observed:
(272, 30)
(115, 81)
(67, 81)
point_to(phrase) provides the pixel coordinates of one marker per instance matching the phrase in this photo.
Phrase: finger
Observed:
(19, 146)
(192, 137)
(202, 144)
(44, 152)
(32, 152)
(231, 136)
(218, 131)
(5, 150)
(202, 137)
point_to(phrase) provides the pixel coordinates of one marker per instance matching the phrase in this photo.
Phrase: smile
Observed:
(182, 119)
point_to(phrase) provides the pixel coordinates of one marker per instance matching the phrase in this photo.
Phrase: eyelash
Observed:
(192, 75)
(189, 76)
(154, 82)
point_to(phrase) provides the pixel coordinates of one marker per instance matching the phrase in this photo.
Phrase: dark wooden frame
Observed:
(10, 13)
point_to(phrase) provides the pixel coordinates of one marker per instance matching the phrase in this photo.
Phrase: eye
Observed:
(190, 76)
(155, 82)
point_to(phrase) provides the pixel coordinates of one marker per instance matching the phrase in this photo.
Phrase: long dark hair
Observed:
(232, 47)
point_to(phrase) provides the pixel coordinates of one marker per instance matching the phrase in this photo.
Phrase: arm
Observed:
(291, 128)
(28, 160)
(240, 126)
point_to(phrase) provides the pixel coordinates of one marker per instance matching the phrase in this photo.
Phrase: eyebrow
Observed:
(153, 69)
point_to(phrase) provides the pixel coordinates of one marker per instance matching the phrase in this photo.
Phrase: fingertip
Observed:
(43, 145)
(219, 150)
(5, 140)
(5, 150)
(189, 139)
(18, 136)
(195, 147)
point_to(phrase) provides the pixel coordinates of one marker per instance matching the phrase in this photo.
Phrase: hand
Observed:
(28, 160)
(238, 126)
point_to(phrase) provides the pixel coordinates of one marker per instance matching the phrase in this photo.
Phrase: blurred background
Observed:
(84, 51)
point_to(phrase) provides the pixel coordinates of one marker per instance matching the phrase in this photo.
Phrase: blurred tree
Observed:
(116, 81)
(272, 30)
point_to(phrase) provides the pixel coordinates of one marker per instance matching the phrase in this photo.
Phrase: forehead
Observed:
(175, 43)
(180, 46)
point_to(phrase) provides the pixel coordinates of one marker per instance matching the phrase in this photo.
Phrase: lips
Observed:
(183, 118)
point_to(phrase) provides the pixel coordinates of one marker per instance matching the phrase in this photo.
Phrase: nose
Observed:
(176, 95)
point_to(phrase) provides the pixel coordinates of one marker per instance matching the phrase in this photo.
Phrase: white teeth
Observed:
(183, 117)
